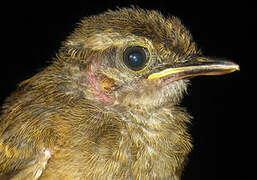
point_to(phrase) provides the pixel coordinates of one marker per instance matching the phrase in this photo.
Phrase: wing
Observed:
(32, 169)
(25, 138)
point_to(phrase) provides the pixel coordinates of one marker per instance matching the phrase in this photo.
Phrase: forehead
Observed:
(115, 28)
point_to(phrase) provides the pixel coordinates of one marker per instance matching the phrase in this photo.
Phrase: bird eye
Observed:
(135, 57)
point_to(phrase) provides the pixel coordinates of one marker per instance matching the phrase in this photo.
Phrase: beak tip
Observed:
(237, 68)
(234, 67)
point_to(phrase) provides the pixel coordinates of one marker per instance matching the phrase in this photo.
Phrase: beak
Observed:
(196, 66)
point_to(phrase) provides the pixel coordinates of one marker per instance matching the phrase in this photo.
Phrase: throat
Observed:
(157, 139)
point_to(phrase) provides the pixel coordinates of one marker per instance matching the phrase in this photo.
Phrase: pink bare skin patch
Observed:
(94, 82)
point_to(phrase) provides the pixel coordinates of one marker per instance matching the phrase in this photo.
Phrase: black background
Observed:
(223, 128)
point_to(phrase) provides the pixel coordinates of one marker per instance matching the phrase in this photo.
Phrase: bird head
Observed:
(137, 58)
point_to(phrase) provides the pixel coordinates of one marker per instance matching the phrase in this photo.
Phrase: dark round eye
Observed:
(135, 57)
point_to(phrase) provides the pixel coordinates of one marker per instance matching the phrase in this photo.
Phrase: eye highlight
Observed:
(135, 57)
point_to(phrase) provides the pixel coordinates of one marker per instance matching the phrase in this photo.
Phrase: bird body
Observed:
(107, 107)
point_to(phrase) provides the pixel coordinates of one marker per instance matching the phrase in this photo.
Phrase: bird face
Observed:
(136, 58)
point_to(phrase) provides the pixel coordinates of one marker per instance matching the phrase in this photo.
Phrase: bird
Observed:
(108, 106)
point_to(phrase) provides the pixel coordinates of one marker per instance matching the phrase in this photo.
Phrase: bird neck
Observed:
(158, 138)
